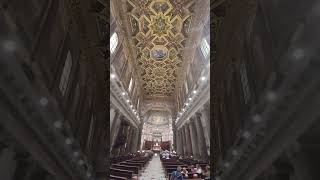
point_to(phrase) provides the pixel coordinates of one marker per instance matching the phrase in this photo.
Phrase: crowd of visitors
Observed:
(182, 173)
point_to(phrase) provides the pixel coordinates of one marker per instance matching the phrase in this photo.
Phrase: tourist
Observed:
(176, 174)
(184, 172)
(206, 173)
(199, 170)
(193, 169)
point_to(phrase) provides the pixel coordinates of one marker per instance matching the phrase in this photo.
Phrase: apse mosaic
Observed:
(160, 29)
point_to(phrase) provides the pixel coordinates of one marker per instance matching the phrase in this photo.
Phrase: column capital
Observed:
(192, 119)
(198, 114)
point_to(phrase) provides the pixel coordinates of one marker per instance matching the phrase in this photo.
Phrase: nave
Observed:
(154, 170)
(146, 165)
(160, 84)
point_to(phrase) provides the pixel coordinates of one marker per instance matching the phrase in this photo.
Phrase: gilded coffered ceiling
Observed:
(159, 29)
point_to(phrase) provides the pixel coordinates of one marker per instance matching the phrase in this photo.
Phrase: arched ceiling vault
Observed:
(158, 31)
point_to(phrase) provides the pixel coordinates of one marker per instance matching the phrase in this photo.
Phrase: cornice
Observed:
(193, 42)
(198, 102)
(118, 101)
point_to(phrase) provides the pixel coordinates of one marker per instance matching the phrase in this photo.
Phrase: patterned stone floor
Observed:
(154, 170)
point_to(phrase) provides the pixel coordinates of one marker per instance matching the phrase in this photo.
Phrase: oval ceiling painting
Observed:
(159, 53)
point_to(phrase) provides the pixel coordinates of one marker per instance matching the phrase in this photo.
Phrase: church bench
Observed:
(139, 159)
(121, 173)
(132, 164)
(135, 169)
(137, 162)
(113, 177)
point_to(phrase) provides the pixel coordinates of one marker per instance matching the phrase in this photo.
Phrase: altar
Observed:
(156, 147)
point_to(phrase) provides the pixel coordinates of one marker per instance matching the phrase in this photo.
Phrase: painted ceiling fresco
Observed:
(159, 29)
(158, 118)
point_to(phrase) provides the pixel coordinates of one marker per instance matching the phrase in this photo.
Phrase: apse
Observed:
(157, 129)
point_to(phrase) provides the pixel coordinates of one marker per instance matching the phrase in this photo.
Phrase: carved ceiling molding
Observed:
(199, 101)
(119, 103)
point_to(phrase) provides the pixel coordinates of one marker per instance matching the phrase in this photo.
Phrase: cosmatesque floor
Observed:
(154, 170)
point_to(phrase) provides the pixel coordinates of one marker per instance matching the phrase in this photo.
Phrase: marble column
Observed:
(201, 139)
(115, 128)
(184, 142)
(7, 164)
(123, 148)
(179, 143)
(194, 139)
(188, 140)
(174, 131)
(128, 140)
(112, 116)
(205, 121)
(135, 136)
(140, 136)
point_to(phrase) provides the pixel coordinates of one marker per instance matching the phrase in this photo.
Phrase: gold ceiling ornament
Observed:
(160, 24)
(159, 29)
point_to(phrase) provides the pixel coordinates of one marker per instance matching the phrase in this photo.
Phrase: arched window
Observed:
(205, 48)
(65, 74)
(113, 42)
(130, 85)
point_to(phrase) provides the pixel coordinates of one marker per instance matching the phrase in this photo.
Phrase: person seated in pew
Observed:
(184, 172)
(206, 173)
(175, 175)
(193, 169)
(199, 170)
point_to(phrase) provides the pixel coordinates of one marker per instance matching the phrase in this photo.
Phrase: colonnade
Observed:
(192, 138)
(121, 131)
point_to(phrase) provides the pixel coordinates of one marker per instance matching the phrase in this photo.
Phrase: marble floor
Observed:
(154, 170)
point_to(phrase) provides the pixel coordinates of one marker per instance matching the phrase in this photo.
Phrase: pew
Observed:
(128, 166)
(121, 173)
(113, 177)
(134, 169)
(132, 164)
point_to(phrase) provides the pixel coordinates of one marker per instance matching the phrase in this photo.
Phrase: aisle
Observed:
(153, 170)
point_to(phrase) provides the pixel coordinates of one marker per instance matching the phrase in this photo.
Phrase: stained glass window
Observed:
(130, 85)
(113, 42)
(205, 48)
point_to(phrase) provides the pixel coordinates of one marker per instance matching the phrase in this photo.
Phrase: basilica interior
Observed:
(159, 89)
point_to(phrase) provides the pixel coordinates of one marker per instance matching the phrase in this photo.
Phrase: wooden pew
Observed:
(140, 165)
(112, 177)
(134, 169)
(121, 173)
